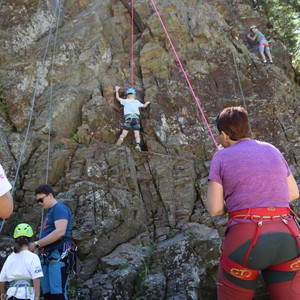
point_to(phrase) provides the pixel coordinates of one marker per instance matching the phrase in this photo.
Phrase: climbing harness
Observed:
(237, 270)
(132, 120)
(259, 215)
(26, 283)
(68, 255)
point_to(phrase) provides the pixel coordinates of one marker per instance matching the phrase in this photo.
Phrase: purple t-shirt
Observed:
(253, 174)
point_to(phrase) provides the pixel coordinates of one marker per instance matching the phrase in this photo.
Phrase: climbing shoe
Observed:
(137, 147)
(271, 63)
(120, 141)
(265, 62)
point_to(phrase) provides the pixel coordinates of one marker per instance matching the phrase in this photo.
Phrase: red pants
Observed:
(275, 245)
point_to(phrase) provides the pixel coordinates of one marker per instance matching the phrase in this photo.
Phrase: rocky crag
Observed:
(140, 221)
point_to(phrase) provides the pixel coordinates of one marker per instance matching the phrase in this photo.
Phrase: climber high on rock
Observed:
(131, 115)
(263, 44)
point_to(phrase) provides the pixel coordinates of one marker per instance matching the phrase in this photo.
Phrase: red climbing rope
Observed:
(132, 43)
(185, 75)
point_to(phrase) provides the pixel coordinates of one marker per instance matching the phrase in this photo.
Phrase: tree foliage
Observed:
(284, 15)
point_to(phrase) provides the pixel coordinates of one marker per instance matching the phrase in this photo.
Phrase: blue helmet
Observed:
(130, 91)
(252, 27)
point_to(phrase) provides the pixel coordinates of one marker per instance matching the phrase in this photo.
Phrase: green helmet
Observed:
(23, 229)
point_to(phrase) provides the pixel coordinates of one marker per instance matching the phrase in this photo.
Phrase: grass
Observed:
(151, 248)
(141, 275)
(75, 138)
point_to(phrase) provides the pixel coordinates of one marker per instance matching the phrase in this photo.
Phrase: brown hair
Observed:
(44, 189)
(234, 122)
(19, 242)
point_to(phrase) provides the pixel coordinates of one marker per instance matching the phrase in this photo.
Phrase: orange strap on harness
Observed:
(237, 270)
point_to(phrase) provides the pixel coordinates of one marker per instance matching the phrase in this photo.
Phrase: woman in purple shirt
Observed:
(253, 183)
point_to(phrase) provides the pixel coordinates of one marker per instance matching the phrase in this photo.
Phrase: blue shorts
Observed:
(133, 123)
(264, 46)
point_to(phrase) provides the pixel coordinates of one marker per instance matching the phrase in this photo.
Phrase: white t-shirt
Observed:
(22, 265)
(131, 106)
(5, 185)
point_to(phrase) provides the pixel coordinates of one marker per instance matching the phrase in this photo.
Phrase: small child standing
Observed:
(263, 44)
(131, 115)
(22, 268)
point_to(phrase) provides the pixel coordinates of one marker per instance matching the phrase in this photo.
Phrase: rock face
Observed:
(140, 221)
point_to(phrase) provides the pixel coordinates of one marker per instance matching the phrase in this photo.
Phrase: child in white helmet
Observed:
(263, 44)
(131, 115)
(22, 269)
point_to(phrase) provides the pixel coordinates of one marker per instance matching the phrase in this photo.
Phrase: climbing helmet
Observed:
(130, 91)
(23, 229)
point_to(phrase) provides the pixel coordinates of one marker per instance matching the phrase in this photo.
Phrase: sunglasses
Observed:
(41, 200)
(220, 127)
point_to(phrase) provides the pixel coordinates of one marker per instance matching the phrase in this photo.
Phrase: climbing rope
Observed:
(51, 87)
(233, 14)
(234, 63)
(57, 18)
(185, 75)
(57, 12)
(241, 89)
(132, 43)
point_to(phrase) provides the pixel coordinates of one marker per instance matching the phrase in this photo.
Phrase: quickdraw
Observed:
(69, 249)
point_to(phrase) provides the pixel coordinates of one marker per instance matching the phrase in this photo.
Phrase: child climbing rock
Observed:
(131, 115)
(263, 44)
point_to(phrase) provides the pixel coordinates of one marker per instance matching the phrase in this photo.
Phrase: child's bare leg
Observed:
(122, 137)
(138, 140)
(137, 136)
(124, 133)
(263, 56)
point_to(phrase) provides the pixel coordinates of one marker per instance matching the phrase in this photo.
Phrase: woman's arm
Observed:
(215, 199)
(293, 188)
(6, 205)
